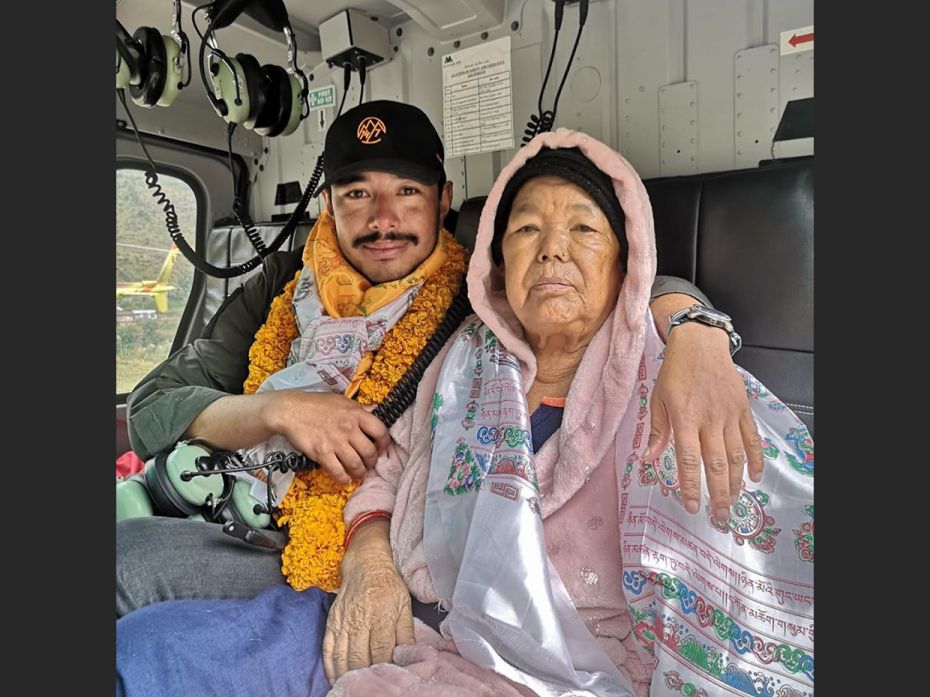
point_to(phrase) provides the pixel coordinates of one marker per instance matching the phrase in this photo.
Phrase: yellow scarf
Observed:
(312, 508)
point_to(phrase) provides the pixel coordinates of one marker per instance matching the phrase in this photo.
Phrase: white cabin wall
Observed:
(634, 56)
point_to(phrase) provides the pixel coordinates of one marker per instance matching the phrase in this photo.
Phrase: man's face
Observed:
(387, 225)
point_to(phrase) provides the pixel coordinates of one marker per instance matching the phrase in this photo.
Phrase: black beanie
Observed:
(572, 165)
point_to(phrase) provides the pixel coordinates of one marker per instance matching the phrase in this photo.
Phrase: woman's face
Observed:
(561, 260)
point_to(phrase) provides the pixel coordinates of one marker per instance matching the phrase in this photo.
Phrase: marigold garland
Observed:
(313, 506)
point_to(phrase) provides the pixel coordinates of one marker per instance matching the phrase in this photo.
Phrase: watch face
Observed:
(709, 312)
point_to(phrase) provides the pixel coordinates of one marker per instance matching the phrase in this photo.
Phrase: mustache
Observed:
(386, 237)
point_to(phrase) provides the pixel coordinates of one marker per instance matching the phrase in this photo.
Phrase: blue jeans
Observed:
(271, 645)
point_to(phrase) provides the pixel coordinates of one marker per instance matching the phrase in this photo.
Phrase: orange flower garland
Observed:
(313, 506)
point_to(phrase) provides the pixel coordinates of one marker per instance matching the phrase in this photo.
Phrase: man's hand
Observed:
(339, 434)
(371, 614)
(700, 398)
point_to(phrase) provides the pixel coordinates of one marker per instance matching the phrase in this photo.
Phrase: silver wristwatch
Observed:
(710, 317)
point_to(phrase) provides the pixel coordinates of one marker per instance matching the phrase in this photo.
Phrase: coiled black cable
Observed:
(171, 215)
(538, 124)
(239, 210)
(404, 391)
(543, 120)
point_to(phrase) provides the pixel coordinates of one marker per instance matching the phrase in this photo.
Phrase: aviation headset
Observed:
(162, 490)
(152, 64)
(268, 99)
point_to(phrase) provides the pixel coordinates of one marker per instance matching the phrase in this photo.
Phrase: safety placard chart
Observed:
(477, 104)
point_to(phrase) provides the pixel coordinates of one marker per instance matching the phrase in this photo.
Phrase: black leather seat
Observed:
(746, 238)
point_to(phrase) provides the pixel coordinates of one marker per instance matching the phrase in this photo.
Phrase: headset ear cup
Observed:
(153, 67)
(255, 85)
(123, 72)
(298, 102)
(174, 72)
(243, 503)
(229, 87)
(165, 499)
(273, 117)
(171, 494)
(240, 506)
(133, 499)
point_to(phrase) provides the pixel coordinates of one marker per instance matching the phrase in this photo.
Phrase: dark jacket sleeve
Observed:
(168, 399)
(663, 285)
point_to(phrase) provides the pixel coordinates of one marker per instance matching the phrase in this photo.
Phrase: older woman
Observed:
(519, 498)
(516, 496)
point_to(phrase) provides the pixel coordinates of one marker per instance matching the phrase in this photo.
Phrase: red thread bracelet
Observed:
(362, 518)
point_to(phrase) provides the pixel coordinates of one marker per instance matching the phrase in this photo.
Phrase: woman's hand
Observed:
(371, 614)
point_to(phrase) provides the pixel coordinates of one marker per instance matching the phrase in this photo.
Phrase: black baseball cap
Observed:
(383, 136)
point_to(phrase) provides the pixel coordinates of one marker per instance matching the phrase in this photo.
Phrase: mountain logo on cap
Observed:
(370, 130)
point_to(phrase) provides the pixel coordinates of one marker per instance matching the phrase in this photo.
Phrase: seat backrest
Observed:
(746, 238)
(228, 245)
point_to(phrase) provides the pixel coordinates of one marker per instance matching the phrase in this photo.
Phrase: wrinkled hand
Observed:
(338, 433)
(371, 615)
(700, 398)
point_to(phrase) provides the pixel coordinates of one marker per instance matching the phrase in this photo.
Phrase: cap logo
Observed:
(370, 130)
